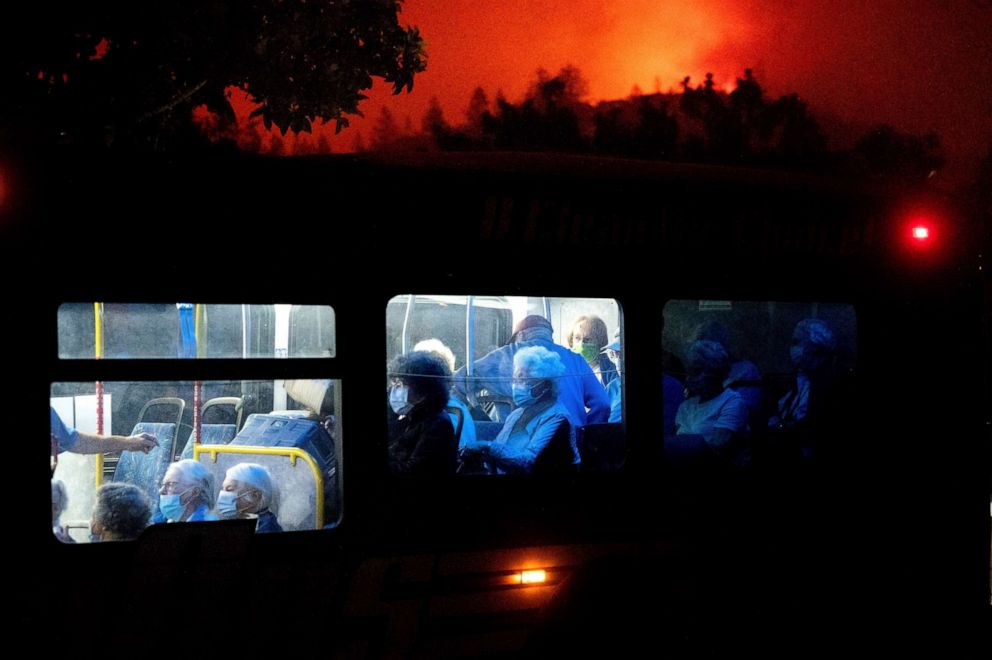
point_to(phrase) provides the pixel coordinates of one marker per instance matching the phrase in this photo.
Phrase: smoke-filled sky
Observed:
(921, 65)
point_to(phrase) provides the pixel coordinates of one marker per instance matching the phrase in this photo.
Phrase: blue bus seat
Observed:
(210, 434)
(216, 434)
(457, 421)
(557, 457)
(487, 430)
(146, 470)
(601, 446)
(303, 432)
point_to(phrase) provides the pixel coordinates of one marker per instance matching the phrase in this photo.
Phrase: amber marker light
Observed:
(533, 577)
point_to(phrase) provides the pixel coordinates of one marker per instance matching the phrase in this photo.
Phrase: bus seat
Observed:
(279, 430)
(601, 446)
(216, 434)
(210, 434)
(456, 419)
(557, 457)
(487, 430)
(296, 483)
(146, 470)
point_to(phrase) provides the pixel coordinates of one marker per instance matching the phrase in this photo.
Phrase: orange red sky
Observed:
(921, 65)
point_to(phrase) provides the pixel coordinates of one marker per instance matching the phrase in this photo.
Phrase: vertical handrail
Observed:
(405, 340)
(197, 384)
(98, 351)
(470, 348)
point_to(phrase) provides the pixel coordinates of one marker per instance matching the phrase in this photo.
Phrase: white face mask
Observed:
(398, 400)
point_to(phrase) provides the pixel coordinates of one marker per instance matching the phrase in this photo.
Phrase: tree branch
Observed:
(168, 107)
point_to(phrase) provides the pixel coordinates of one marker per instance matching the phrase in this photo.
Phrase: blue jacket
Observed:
(607, 372)
(616, 400)
(521, 441)
(577, 390)
(267, 523)
(65, 436)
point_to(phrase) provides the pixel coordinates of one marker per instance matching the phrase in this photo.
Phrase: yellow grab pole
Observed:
(98, 349)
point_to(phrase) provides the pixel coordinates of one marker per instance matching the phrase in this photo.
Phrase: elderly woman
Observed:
(121, 513)
(589, 338)
(716, 414)
(421, 438)
(60, 500)
(248, 492)
(435, 346)
(187, 493)
(813, 397)
(537, 419)
(812, 354)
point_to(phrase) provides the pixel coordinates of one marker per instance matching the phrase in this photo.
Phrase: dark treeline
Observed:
(699, 124)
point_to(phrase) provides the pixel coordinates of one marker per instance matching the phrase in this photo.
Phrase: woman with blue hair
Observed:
(248, 492)
(525, 443)
(187, 493)
(716, 414)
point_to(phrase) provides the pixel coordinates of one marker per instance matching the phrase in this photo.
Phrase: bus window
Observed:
(504, 384)
(187, 330)
(755, 381)
(278, 466)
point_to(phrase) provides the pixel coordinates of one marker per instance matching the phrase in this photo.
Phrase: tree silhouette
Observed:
(386, 132)
(129, 74)
(698, 124)
(884, 152)
(477, 111)
(548, 118)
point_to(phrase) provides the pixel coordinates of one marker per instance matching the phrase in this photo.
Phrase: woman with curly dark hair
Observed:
(121, 512)
(421, 437)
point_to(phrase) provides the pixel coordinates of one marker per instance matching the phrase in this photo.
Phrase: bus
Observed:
(259, 294)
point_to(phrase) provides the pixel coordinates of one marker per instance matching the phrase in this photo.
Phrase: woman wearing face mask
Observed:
(588, 338)
(187, 493)
(421, 437)
(121, 513)
(815, 401)
(536, 421)
(718, 415)
(248, 492)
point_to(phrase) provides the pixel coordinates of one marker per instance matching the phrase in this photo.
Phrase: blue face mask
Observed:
(525, 396)
(398, 400)
(227, 504)
(171, 507)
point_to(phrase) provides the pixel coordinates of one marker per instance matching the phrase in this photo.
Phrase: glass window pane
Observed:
(272, 445)
(755, 382)
(188, 330)
(456, 397)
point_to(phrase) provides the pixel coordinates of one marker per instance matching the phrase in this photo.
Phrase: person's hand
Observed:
(143, 442)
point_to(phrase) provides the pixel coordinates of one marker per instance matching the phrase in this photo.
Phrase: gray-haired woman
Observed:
(248, 492)
(187, 493)
(536, 421)
(716, 414)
